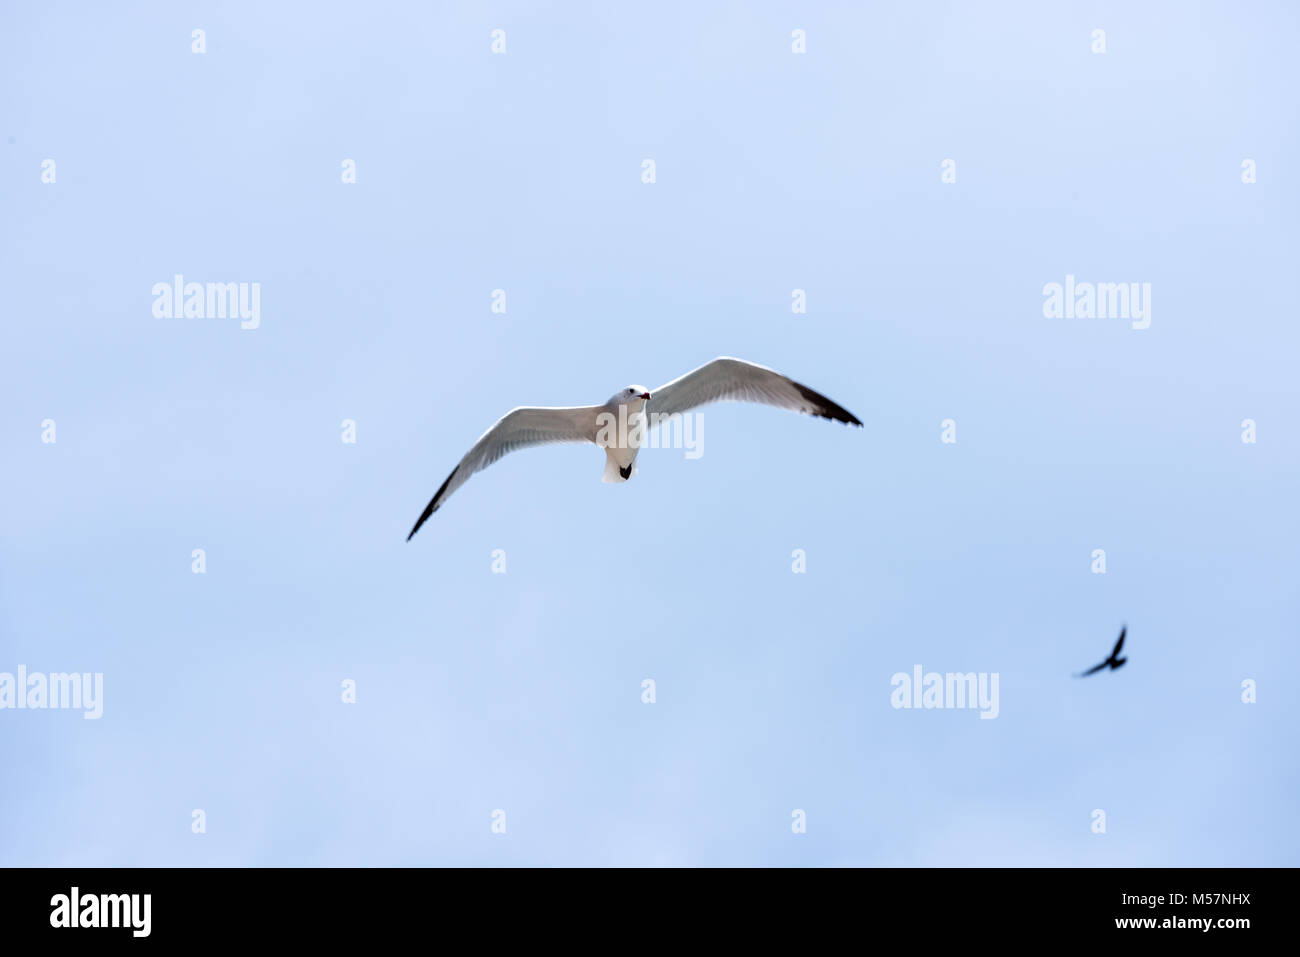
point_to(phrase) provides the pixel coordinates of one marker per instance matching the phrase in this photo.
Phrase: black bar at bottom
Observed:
(334, 906)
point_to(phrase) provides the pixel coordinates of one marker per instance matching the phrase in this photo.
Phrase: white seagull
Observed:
(619, 424)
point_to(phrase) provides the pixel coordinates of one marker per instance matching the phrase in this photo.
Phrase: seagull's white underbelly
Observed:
(622, 445)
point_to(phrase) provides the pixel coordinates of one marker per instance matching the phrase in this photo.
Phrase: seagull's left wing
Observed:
(735, 380)
(1119, 644)
(518, 429)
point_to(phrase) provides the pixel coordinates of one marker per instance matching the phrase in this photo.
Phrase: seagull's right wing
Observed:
(1119, 644)
(517, 429)
(735, 380)
(1092, 671)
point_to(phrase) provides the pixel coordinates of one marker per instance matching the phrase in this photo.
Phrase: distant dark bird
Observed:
(1113, 661)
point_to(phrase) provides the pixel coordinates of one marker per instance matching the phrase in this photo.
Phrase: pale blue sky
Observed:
(521, 691)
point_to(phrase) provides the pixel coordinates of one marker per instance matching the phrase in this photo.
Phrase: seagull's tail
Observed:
(614, 472)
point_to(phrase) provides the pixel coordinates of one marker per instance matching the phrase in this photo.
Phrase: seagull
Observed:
(629, 412)
(1112, 660)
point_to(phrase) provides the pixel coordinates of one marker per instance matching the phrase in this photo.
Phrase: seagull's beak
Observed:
(645, 395)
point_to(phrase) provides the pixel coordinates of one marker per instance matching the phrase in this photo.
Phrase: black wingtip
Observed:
(433, 504)
(824, 408)
(419, 522)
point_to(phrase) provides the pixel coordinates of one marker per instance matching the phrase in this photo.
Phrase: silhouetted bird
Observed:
(1113, 661)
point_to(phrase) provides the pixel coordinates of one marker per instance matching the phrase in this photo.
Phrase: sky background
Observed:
(775, 171)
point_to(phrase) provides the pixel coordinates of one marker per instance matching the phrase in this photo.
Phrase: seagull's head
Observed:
(634, 396)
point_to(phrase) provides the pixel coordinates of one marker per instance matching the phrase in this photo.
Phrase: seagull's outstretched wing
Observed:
(735, 380)
(1119, 644)
(517, 429)
(1093, 670)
